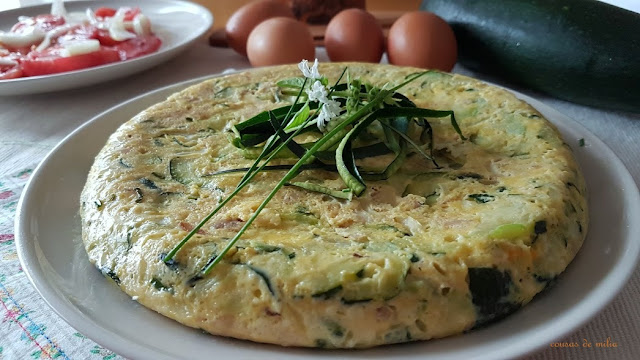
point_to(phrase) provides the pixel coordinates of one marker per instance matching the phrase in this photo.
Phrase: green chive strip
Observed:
(391, 169)
(428, 130)
(345, 194)
(408, 140)
(273, 168)
(346, 164)
(391, 139)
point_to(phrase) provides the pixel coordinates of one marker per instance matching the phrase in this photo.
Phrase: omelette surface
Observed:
(428, 253)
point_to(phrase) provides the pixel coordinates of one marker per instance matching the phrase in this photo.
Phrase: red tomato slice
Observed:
(43, 22)
(105, 12)
(129, 13)
(50, 61)
(136, 47)
(104, 38)
(103, 35)
(10, 72)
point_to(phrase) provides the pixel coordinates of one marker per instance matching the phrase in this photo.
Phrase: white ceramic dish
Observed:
(178, 23)
(52, 255)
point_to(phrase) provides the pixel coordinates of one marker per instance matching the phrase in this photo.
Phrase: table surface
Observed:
(30, 126)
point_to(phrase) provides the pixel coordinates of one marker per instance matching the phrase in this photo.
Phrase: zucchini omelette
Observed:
(436, 249)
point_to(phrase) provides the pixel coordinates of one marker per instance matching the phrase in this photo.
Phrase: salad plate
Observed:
(48, 238)
(177, 23)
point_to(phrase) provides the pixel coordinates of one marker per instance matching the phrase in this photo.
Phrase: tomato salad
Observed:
(61, 41)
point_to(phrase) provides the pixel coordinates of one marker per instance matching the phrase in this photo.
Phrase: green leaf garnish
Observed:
(299, 117)
(298, 82)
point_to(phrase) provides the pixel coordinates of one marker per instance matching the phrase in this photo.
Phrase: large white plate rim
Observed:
(608, 287)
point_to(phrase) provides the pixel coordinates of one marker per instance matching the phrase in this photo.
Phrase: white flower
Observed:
(329, 110)
(317, 92)
(309, 72)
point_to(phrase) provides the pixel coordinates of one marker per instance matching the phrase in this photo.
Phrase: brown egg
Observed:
(422, 39)
(280, 40)
(354, 35)
(245, 19)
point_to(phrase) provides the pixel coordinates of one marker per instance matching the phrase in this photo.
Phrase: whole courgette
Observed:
(583, 51)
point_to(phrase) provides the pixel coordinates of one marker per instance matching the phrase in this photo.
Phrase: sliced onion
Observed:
(76, 18)
(58, 9)
(142, 25)
(80, 47)
(117, 29)
(5, 61)
(29, 37)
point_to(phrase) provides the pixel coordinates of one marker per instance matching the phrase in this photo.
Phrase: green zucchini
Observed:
(264, 277)
(582, 51)
(481, 198)
(490, 289)
(182, 169)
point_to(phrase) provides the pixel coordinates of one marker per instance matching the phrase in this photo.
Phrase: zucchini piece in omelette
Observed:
(405, 231)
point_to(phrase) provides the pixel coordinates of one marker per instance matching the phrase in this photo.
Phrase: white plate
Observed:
(177, 23)
(52, 255)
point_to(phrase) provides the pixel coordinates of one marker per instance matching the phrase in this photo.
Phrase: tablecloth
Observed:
(30, 126)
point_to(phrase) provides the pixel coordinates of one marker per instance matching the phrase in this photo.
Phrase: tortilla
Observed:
(428, 253)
